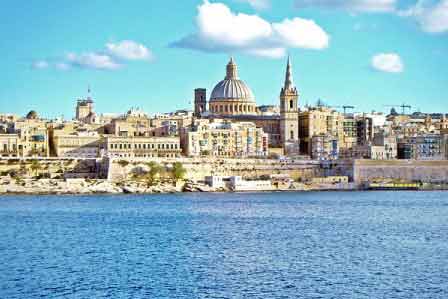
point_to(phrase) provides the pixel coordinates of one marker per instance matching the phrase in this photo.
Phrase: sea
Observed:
(226, 245)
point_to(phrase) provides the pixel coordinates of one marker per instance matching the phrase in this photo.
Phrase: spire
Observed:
(289, 82)
(232, 70)
(89, 93)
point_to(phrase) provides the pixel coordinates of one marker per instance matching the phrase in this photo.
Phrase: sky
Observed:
(151, 54)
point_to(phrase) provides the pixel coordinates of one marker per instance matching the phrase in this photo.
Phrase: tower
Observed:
(84, 107)
(200, 101)
(289, 114)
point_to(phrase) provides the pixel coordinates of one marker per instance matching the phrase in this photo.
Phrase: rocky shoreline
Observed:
(96, 186)
(86, 186)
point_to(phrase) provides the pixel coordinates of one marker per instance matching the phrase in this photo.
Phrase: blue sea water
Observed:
(267, 245)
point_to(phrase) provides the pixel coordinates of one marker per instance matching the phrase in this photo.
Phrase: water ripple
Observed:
(282, 245)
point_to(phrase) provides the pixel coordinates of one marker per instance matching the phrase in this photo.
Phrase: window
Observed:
(292, 134)
(291, 104)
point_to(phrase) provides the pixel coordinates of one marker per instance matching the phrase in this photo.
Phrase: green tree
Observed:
(123, 163)
(35, 166)
(155, 169)
(178, 171)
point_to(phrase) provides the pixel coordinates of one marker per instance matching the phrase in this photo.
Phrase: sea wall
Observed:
(360, 171)
(53, 167)
(415, 171)
(198, 168)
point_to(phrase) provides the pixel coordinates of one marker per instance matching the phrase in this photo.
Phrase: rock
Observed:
(129, 190)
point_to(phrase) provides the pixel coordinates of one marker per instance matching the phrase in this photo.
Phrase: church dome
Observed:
(32, 115)
(232, 88)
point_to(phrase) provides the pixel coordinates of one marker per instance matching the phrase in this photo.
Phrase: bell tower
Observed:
(289, 114)
(200, 101)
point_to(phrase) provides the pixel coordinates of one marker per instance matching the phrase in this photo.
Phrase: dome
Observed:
(32, 115)
(232, 88)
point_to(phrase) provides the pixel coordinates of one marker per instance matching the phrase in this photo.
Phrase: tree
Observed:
(205, 153)
(178, 171)
(123, 163)
(155, 169)
(35, 166)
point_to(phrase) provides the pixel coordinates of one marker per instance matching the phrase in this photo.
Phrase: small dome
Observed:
(32, 115)
(232, 88)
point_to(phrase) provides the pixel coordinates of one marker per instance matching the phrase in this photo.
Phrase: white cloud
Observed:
(62, 66)
(388, 62)
(40, 64)
(93, 60)
(112, 57)
(350, 5)
(432, 17)
(221, 30)
(301, 33)
(129, 50)
(258, 4)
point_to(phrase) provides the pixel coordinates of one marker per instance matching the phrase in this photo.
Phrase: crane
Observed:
(402, 106)
(345, 107)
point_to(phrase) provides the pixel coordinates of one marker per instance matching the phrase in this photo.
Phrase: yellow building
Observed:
(225, 139)
(77, 145)
(134, 123)
(142, 147)
(319, 121)
(9, 145)
(170, 124)
(33, 134)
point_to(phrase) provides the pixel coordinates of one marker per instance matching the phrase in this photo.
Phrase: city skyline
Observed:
(129, 63)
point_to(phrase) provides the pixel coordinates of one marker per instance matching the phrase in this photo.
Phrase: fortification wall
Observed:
(423, 171)
(199, 168)
(52, 167)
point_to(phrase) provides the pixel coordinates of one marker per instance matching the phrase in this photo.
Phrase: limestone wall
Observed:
(360, 171)
(52, 167)
(198, 168)
(424, 171)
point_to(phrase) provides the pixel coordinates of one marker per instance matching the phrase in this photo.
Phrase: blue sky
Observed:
(152, 54)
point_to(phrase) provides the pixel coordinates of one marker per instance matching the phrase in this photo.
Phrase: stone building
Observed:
(422, 147)
(77, 145)
(389, 144)
(232, 96)
(9, 145)
(84, 109)
(364, 130)
(200, 101)
(350, 132)
(33, 134)
(222, 138)
(170, 124)
(134, 123)
(232, 99)
(317, 121)
(289, 114)
(324, 147)
(142, 147)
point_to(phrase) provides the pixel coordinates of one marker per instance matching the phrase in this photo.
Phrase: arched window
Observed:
(292, 135)
(291, 104)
